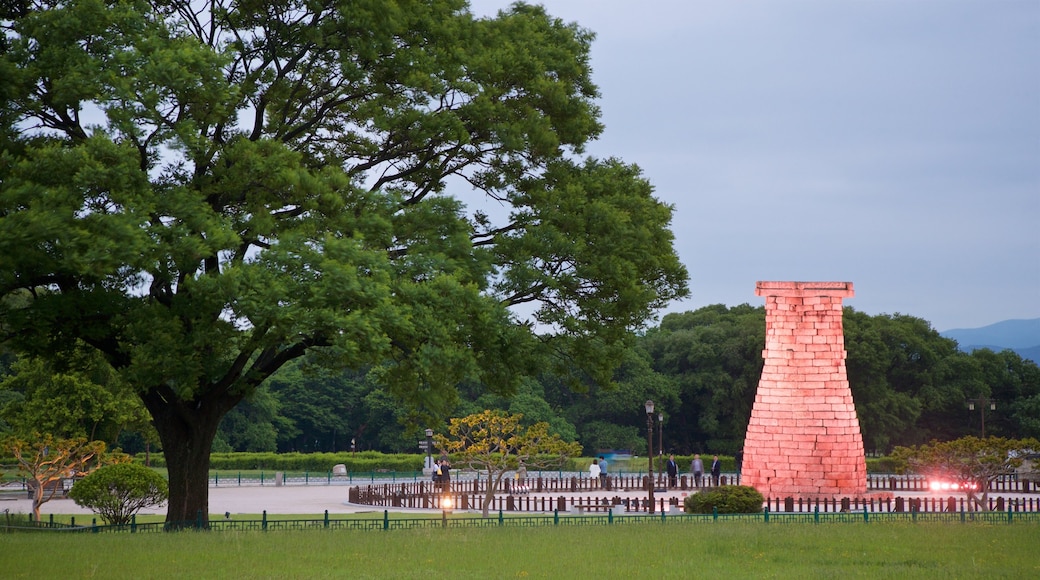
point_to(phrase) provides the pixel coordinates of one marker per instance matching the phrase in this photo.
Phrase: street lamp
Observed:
(660, 433)
(982, 403)
(650, 450)
(429, 448)
(446, 507)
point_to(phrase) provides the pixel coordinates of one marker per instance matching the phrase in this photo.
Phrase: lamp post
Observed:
(429, 449)
(650, 450)
(660, 433)
(982, 403)
(446, 507)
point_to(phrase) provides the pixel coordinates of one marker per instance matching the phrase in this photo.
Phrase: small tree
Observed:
(495, 442)
(971, 462)
(47, 461)
(117, 492)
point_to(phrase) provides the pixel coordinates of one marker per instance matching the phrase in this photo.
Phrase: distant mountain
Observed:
(1021, 336)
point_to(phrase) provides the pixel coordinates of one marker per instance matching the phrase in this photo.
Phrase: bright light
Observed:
(446, 503)
(938, 485)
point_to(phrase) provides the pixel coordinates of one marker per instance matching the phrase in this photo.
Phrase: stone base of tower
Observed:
(803, 438)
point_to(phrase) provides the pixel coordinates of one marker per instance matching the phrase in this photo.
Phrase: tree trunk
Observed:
(37, 501)
(187, 430)
(494, 482)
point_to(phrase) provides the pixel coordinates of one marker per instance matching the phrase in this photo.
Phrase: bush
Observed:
(117, 492)
(727, 499)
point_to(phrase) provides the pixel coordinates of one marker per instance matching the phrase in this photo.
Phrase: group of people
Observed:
(442, 473)
(696, 468)
(598, 470)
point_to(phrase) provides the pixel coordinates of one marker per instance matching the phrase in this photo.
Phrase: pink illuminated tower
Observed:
(803, 438)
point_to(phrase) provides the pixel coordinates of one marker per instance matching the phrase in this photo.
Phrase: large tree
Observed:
(204, 191)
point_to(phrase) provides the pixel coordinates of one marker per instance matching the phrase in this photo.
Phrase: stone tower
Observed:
(803, 438)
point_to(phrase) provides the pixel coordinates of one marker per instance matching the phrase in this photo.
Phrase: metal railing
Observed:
(554, 519)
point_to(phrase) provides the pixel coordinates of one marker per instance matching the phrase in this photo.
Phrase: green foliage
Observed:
(117, 492)
(84, 399)
(725, 499)
(714, 356)
(283, 182)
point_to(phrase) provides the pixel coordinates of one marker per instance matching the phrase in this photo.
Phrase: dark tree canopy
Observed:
(204, 191)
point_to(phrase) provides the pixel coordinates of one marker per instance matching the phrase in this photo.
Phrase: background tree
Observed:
(971, 462)
(495, 443)
(84, 399)
(203, 192)
(715, 356)
(47, 461)
(117, 492)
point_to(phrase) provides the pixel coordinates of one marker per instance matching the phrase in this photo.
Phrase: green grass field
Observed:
(732, 550)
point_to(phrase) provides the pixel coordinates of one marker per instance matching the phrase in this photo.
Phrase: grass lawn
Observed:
(735, 550)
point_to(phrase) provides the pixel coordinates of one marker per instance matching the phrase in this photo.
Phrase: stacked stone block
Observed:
(803, 438)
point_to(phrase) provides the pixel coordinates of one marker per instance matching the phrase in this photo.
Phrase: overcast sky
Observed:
(892, 144)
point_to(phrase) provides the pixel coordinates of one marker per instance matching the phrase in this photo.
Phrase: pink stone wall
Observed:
(803, 438)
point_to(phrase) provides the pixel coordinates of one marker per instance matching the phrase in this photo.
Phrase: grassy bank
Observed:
(732, 550)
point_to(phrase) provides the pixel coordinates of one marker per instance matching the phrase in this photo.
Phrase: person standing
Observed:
(673, 471)
(716, 471)
(603, 477)
(594, 473)
(697, 467)
(446, 474)
(437, 474)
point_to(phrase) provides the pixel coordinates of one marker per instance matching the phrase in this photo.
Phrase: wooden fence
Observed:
(515, 496)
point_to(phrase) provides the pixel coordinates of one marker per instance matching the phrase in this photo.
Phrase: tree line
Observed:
(701, 368)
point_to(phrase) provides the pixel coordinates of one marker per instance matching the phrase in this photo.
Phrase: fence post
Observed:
(610, 516)
(263, 522)
(386, 520)
(261, 478)
(556, 517)
(766, 512)
(239, 479)
(216, 479)
(816, 514)
(133, 524)
(500, 518)
(1009, 512)
(93, 524)
(714, 514)
(326, 518)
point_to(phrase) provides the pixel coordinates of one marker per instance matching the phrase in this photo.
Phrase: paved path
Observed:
(290, 499)
(309, 500)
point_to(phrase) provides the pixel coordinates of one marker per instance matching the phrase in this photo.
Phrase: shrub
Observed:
(117, 492)
(727, 499)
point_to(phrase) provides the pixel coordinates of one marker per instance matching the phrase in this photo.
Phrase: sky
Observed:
(891, 144)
